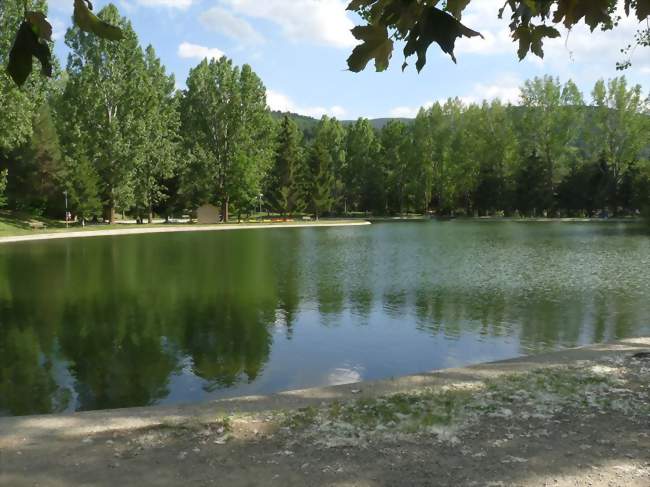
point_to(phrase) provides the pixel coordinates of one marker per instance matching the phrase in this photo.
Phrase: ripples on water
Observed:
(114, 322)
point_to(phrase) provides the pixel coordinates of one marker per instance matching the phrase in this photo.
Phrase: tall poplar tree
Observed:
(158, 129)
(101, 107)
(227, 128)
(551, 125)
(424, 144)
(496, 151)
(394, 158)
(619, 132)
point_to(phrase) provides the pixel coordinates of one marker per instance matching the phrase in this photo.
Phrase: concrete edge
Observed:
(172, 229)
(39, 428)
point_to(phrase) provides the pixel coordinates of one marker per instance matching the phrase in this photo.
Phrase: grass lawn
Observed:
(19, 224)
(13, 224)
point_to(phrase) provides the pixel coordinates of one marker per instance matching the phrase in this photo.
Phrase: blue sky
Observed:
(299, 48)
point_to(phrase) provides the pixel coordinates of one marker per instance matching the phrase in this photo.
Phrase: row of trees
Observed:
(554, 154)
(115, 134)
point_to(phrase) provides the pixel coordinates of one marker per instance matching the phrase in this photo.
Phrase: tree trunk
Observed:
(109, 214)
(225, 205)
(150, 216)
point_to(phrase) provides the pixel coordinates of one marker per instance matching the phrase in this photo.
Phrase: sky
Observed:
(299, 49)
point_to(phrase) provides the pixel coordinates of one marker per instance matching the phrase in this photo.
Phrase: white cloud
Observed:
(194, 51)
(483, 17)
(60, 5)
(220, 20)
(317, 21)
(66, 6)
(179, 4)
(283, 103)
(337, 111)
(576, 53)
(408, 112)
(505, 88)
(596, 51)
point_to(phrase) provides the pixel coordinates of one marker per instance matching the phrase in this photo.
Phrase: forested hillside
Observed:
(308, 124)
(114, 134)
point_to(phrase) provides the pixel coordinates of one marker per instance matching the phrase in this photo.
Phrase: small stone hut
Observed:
(207, 214)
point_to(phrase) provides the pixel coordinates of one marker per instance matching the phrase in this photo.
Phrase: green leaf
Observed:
(376, 45)
(642, 9)
(456, 7)
(531, 38)
(27, 45)
(41, 27)
(89, 22)
(435, 26)
(356, 5)
(594, 12)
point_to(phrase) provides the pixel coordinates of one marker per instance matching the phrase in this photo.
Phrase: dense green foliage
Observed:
(3, 186)
(114, 134)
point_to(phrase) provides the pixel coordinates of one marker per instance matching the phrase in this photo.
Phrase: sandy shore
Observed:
(141, 230)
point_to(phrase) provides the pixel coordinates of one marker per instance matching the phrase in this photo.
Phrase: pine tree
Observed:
(82, 185)
(323, 180)
(363, 184)
(324, 151)
(284, 183)
(38, 169)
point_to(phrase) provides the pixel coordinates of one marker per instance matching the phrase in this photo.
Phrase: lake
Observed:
(175, 318)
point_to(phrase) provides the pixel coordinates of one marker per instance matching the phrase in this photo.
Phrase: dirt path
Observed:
(553, 422)
(140, 230)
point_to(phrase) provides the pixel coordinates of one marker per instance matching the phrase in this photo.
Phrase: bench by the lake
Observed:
(36, 225)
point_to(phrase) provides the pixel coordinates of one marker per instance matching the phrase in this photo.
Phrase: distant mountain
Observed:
(308, 124)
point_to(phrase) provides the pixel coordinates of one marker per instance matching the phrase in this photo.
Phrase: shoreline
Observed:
(72, 425)
(143, 230)
(574, 417)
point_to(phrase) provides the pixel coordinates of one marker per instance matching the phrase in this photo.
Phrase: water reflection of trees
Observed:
(122, 316)
(125, 315)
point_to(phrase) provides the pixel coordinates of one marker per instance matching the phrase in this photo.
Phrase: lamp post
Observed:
(260, 198)
(65, 193)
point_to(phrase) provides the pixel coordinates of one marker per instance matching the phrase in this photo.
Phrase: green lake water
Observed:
(175, 318)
